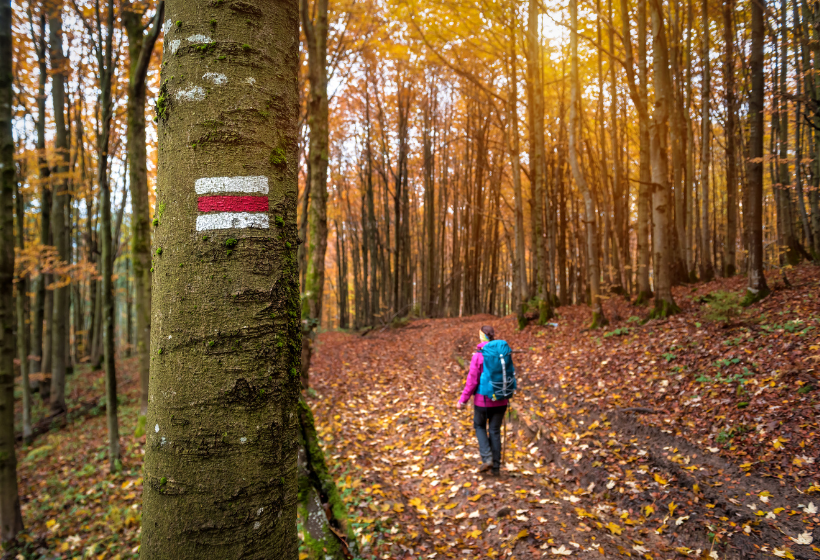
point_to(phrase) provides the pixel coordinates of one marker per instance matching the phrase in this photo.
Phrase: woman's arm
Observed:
(476, 365)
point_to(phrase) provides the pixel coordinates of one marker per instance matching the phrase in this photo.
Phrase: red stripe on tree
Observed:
(233, 203)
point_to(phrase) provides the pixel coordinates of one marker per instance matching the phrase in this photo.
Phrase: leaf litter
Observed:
(686, 437)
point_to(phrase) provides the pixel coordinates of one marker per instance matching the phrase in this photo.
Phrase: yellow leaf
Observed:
(614, 528)
(672, 507)
(450, 506)
(303, 556)
(398, 507)
(474, 534)
(475, 498)
(521, 534)
(648, 510)
(50, 523)
(660, 480)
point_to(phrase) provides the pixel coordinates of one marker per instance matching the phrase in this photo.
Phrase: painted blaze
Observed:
(232, 202)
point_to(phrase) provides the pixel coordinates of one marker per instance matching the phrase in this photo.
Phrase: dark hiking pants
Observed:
(489, 445)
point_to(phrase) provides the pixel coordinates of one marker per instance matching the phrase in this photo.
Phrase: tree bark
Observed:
(23, 331)
(789, 245)
(590, 218)
(707, 270)
(11, 521)
(220, 464)
(538, 173)
(757, 287)
(59, 323)
(729, 254)
(658, 132)
(140, 48)
(317, 118)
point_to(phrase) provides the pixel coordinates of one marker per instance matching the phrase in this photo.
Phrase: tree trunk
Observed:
(757, 287)
(22, 315)
(789, 245)
(658, 132)
(225, 340)
(645, 173)
(538, 170)
(59, 323)
(598, 317)
(11, 521)
(707, 270)
(513, 143)
(317, 118)
(140, 48)
(729, 254)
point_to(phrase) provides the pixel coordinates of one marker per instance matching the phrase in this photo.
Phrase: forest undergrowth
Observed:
(685, 437)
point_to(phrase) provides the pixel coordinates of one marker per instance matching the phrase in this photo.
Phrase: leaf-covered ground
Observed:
(686, 437)
(694, 436)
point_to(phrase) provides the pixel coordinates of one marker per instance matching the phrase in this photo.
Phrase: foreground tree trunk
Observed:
(757, 288)
(140, 47)
(593, 274)
(220, 468)
(317, 118)
(11, 521)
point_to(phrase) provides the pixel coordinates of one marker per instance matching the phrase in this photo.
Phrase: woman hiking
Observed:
(491, 396)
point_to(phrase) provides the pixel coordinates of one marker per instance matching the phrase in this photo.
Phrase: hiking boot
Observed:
(496, 473)
(485, 467)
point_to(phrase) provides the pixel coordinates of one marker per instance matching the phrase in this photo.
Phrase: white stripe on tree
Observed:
(212, 185)
(232, 220)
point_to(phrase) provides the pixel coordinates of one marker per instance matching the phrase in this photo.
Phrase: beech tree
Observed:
(11, 522)
(220, 466)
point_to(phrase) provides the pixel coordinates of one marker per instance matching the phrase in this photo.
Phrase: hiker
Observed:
(492, 380)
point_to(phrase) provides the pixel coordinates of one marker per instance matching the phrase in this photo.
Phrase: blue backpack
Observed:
(498, 377)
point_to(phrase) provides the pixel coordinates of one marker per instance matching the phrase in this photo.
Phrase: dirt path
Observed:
(575, 482)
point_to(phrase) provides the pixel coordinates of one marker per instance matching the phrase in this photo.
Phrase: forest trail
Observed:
(627, 444)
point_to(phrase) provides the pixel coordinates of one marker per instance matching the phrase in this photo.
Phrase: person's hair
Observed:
(489, 331)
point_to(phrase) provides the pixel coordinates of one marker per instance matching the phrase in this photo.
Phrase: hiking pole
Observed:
(504, 439)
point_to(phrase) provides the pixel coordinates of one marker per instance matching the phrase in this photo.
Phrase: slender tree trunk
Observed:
(810, 21)
(513, 142)
(223, 420)
(798, 124)
(729, 255)
(757, 287)
(658, 132)
(23, 330)
(59, 323)
(140, 47)
(789, 245)
(538, 167)
(11, 521)
(707, 270)
(590, 219)
(316, 36)
(689, 186)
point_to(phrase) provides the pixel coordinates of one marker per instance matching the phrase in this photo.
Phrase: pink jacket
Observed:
(473, 377)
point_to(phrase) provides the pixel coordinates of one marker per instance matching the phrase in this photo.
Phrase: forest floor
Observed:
(690, 436)
(694, 436)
